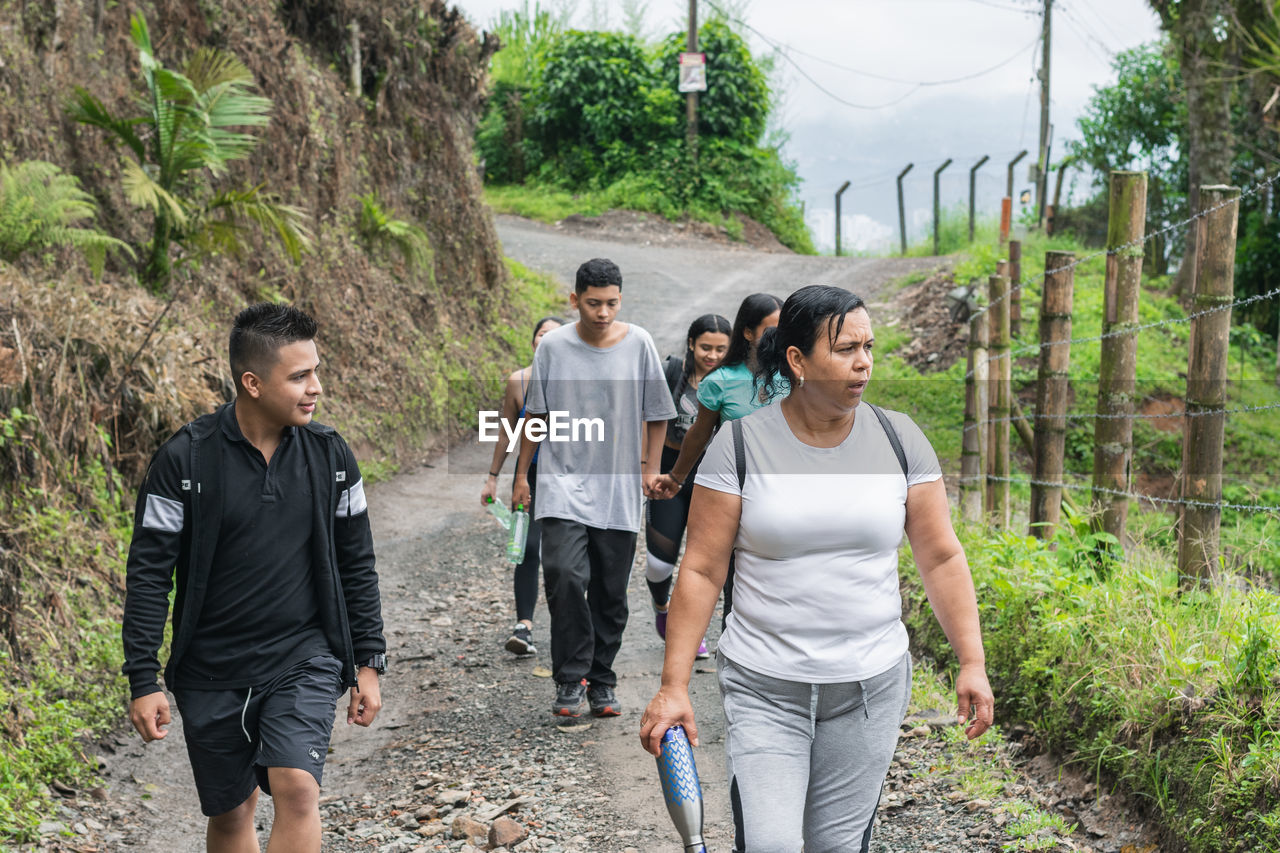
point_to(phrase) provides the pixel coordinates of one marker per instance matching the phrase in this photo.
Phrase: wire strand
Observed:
(1219, 505)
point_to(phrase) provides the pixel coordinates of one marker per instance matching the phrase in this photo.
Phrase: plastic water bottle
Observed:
(519, 533)
(681, 788)
(500, 512)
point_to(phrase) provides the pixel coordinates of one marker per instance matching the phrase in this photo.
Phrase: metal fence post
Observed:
(902, 210)
(839, 193)
(1015, 288)
(973, 183)
(1207, 383)
(937, 209)
(1006, 206)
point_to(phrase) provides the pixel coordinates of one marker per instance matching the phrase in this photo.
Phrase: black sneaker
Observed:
(521, 641)
(569, 696)
(604, 702)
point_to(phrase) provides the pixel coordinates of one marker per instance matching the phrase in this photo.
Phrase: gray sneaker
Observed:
(569, 698)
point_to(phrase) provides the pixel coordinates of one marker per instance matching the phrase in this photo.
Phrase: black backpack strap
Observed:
(739, 452)
(893, 437)
(673, 370)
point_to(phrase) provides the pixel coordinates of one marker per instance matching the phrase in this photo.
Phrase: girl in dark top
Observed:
(526, 575)
(706, 345)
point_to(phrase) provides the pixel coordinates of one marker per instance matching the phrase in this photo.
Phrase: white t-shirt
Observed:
(815, 594)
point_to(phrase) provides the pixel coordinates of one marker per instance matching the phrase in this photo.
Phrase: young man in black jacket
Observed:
(260, 515)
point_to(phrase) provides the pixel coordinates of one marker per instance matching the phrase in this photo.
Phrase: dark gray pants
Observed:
(586, 571)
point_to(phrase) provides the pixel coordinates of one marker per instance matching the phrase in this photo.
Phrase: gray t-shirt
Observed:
(815, 594)
(593, 477)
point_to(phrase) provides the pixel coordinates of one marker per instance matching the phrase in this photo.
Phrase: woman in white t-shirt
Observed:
(813, 664)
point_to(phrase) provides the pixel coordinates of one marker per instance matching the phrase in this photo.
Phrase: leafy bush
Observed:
(1172, 693)
(600, 116)
(41, 207)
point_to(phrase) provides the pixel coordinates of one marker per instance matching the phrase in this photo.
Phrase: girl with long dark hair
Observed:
(705, 349)
(526, 574)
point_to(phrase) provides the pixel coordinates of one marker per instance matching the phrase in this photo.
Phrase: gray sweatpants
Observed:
(807, 761)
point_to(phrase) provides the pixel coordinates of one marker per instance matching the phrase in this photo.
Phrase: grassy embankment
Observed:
(551, 204)
(1168, 693)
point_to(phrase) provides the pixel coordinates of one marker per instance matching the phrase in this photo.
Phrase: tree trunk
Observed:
(1209, 83)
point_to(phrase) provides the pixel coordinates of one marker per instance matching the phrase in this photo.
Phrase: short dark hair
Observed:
(805, 313)
(259, 332)
(751, 312)
(597, 272)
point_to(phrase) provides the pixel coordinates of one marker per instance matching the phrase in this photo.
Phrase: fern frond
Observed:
(40, 206)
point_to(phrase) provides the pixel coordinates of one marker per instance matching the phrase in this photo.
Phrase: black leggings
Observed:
(665, 528)
(526, 574)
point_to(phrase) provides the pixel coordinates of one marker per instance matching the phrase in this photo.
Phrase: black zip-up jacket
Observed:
(174, 536)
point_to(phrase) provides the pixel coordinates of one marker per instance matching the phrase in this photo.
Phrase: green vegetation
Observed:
(380, 232)
(1171, 693)
(188, 117)
(953, 233)
(41, 207)
(67, 689)
(593, 120)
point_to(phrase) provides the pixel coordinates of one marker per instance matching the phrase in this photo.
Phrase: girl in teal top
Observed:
(728, 392)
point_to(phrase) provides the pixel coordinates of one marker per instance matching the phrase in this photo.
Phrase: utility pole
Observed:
(691, 98)
(1046, 39)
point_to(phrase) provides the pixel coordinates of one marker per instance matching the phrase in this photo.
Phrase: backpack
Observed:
(740, 448)
(673, 370)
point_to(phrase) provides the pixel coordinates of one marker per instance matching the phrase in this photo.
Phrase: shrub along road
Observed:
(465, 745)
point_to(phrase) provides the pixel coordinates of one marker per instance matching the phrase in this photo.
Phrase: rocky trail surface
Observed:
(465, 755)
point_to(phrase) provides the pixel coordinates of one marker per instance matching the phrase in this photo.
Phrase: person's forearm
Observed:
(527, 449)
(500, 453)
(949, 586)
(695, 441)
(654, 433)
(692, 604)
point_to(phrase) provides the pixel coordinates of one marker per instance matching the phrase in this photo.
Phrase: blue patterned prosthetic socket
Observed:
(680, 788)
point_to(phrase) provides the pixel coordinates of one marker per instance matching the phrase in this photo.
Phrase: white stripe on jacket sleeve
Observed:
(163, 514)
(352, 501)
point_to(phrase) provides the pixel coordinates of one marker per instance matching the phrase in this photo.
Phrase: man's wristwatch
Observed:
(378, 663)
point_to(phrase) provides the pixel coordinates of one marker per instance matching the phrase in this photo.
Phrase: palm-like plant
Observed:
(380, 230)
(42, 206)
(185, 134)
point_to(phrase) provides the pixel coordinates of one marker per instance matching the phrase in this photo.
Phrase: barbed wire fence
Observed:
(991, 410)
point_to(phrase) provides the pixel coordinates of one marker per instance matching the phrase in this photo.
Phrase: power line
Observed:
(785, 50)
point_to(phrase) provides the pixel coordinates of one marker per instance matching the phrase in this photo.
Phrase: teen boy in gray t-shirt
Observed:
(606, 377)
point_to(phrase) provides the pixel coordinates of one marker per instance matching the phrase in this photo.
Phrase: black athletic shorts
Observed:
(233, 736)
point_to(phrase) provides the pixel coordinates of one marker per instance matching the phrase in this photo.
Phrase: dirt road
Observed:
(466, 730)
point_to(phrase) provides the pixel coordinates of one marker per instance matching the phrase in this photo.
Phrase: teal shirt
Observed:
(731, 391)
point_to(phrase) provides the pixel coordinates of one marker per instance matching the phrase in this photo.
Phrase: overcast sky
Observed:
(837, 45)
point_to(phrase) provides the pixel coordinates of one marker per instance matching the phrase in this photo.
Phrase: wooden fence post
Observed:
(1051, 391)
(1015, 289)
(1207, 383)
(1113, 430)
(1001, 376)
(973, 444)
